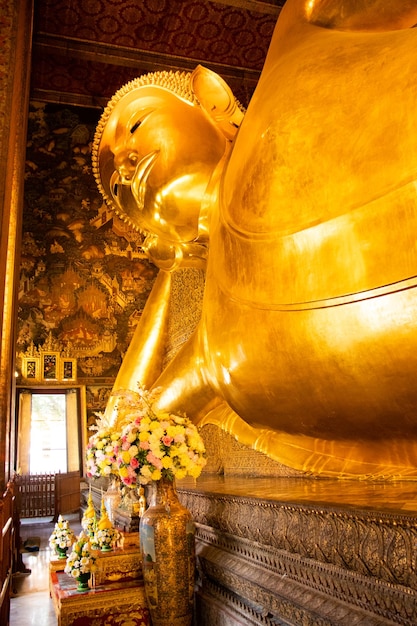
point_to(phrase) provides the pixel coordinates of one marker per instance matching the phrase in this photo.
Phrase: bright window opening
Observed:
(48, 435)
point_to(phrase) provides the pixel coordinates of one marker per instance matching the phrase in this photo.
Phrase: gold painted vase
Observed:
(167, 541)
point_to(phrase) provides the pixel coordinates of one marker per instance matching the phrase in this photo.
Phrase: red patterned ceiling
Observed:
(84, 51)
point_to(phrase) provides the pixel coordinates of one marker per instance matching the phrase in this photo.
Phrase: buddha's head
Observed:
(156, 147)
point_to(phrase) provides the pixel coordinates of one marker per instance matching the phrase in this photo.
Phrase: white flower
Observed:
(62, 535)
(81, 559)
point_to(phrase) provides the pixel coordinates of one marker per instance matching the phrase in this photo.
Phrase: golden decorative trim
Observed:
(283, 558)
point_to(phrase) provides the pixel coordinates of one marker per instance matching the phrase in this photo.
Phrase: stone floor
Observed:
(30, 604)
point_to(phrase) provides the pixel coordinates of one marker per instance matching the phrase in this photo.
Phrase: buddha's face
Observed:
(157, 155)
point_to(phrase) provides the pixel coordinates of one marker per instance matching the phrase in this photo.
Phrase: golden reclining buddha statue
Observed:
(304, 210)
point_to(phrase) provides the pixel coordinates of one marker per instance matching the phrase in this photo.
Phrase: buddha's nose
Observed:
(125, 162)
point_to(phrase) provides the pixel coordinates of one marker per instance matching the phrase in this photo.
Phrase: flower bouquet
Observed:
(107, 538)
(154, 443)
(101, 450)
(81, 562)
(62, 537)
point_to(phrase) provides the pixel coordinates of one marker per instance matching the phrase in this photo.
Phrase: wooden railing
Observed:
(44, 495)
(7, 551)
(36, 495)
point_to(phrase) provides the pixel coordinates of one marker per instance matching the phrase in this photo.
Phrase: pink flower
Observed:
(92, 470)
(125, 445)
(166, 440)
(151, 458)
(144, 445)
(134, 462)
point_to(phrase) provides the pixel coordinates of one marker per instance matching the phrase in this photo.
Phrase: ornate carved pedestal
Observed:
(111, 603)
(119, 564)
(301, 552)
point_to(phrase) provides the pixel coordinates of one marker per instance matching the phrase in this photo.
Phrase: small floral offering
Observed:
(106, 536)
(62, 537)
(82, 559)
(89, 520)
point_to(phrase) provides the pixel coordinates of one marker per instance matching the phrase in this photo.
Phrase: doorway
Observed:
(49, 430)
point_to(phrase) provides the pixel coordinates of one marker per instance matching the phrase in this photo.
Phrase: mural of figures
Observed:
(84, 278)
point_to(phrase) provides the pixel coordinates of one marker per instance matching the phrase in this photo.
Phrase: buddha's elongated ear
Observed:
(217, 99)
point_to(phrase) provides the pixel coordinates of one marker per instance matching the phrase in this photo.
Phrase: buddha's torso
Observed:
(310, 306)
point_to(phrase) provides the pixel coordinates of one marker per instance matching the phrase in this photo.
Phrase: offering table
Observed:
(121, 602)
(116, 595)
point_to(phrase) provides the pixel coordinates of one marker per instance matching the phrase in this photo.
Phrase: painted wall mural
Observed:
(84, 279)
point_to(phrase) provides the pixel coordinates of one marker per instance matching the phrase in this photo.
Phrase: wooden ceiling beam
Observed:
(68, 98)
(98, 52)
(273, 7)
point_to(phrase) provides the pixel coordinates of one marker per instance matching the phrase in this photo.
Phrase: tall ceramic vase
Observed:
(167, 541)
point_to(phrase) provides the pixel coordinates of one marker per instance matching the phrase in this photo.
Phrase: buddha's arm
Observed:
(185, 384)
(143, 360)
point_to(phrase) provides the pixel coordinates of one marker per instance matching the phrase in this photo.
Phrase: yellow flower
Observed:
(172, 431)
(145, 471)
(123, 472)
(155, 438)
(125, 456)
(184, 459)
(195, 471)
(167, 462)
(133, 451)
(156, 449)
(156, 475)
(144, 435)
